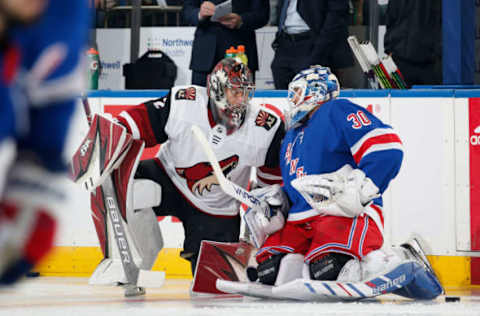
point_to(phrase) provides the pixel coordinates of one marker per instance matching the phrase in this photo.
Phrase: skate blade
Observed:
(133, 290)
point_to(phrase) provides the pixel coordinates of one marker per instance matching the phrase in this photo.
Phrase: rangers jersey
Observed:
(168, 121)
(338, 133)
(50, 79)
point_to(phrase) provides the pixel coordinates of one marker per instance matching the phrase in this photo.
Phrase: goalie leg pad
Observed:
(146, 235)
(145, 194)
(145, 239)
(142, 221)
(291, 267)
(425, 284)
(268, 269)
(328, 266)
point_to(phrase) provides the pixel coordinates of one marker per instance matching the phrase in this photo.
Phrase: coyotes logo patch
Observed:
(200, 177)
(265, 120)
(186, 94)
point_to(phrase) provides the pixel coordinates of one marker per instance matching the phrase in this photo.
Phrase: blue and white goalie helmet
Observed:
(308, 89)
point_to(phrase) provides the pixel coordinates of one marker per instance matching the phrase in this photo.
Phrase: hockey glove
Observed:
(344, 192)
(270, 217)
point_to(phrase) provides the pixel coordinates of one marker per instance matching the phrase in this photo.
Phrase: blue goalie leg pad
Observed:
(424, 285)
(389, 282)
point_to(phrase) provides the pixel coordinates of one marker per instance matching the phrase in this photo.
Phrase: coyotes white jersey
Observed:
(169, 120)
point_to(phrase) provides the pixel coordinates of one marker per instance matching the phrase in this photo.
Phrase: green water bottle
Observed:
(230, 52)
(93, 68)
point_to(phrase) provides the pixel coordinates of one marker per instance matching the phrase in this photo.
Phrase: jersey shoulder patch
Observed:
(189, 93)
(267, 116)
(265, 119)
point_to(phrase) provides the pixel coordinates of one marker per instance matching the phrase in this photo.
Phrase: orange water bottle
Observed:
(241, 54)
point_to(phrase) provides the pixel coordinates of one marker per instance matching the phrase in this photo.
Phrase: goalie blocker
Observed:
(127, 228)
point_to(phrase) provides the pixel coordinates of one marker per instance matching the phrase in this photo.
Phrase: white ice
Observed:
(56, 296)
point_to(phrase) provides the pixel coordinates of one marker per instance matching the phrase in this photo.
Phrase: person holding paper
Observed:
(221, 24)
(311, 32)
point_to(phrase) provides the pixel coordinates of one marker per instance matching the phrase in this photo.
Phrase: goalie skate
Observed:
(416, 246)
(312, 290)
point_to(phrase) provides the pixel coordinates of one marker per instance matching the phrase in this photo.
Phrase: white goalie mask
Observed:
(230, 88)
(308, 89)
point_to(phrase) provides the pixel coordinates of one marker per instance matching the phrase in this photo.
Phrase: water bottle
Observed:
(241, 54)
(230, 52)
(93, 68)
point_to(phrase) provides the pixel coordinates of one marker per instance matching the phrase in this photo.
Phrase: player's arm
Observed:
(376, 159)
(191, 10)
(257, 17)
(269, 173)
(377, 152)
(270, 192)
(147, 121)
(54, 60)
(376, 148)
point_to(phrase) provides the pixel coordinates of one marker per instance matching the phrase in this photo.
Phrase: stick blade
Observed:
(247, 289)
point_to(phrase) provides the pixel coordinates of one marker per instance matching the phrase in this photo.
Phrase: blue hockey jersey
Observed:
(338, 133)
(50, 80)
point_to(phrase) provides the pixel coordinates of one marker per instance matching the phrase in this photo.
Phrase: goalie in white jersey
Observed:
(243, 135)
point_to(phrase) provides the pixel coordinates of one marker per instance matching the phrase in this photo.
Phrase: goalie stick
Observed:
(312, 290)
(137, 278)
(383, 72)
(363, 61)
(234, 190)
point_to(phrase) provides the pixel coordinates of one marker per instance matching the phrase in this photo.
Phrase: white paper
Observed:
(221, 10)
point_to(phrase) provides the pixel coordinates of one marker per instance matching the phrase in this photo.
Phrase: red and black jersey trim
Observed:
(158, 112)
(272, 159)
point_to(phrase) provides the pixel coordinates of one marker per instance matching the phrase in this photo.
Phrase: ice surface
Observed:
(73, 296)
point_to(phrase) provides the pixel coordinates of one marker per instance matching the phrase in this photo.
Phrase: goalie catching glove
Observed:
(268, 218)
(344, 192)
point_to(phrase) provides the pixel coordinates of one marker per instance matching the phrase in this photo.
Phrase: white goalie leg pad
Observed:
(142, 230)
(379, 262)
(351, 272)
(291, 268)
(142, 221)
(145, 194)
(376, 263)
(111, 271)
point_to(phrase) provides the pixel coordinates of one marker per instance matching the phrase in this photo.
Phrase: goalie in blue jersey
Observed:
(42, 43)
(337, 160)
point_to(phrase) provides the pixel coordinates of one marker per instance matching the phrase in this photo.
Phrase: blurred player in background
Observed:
(43, 42)
(336, 160)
